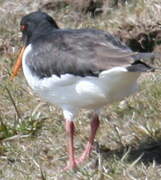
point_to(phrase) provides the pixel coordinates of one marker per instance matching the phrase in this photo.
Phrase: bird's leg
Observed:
(69, 126)
(88, 148)
(70, 129)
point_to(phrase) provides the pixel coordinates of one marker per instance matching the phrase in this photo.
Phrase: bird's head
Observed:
(32, 26)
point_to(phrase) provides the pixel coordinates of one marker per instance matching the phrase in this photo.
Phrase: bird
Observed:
(77, 69)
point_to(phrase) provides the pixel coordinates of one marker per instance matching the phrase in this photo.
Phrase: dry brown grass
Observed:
(32, 143)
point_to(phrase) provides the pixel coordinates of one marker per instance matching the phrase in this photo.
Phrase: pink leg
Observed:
(69, 126)
(88, 148)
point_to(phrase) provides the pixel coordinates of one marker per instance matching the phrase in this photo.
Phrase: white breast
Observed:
(83, 92)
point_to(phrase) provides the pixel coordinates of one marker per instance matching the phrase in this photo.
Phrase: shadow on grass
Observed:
(148, 151)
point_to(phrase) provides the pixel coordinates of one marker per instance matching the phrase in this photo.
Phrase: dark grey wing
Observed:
(79, 52)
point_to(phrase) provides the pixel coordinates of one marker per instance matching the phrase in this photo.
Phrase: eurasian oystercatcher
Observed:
(75, 69)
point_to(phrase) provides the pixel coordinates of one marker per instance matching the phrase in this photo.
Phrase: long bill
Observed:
(18, 64)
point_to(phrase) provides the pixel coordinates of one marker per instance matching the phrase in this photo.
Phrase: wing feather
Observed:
(83, 52)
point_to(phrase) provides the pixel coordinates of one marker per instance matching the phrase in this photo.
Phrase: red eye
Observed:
(23, 27)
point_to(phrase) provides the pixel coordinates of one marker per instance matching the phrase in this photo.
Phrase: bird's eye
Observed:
(23, 27)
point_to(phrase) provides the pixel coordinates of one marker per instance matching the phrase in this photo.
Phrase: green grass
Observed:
(32, 136)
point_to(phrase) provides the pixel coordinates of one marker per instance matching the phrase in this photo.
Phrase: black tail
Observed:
(144, 62)
(139, 66)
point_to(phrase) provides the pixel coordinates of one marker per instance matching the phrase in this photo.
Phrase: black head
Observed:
(36, 23)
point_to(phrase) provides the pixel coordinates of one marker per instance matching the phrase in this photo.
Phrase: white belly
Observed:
(83, 92)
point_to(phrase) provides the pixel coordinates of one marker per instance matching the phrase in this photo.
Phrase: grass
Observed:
(32, 137)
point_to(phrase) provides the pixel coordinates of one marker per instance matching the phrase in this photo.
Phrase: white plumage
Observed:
(72, 93)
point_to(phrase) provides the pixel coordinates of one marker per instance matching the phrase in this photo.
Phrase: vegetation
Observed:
(32, 136)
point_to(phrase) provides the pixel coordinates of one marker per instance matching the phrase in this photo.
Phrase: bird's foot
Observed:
(83, 157)
(72, 165)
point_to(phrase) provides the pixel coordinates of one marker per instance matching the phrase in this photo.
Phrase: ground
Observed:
(32, 136)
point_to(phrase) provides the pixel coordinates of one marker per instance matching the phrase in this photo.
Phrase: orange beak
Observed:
(18, 64)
